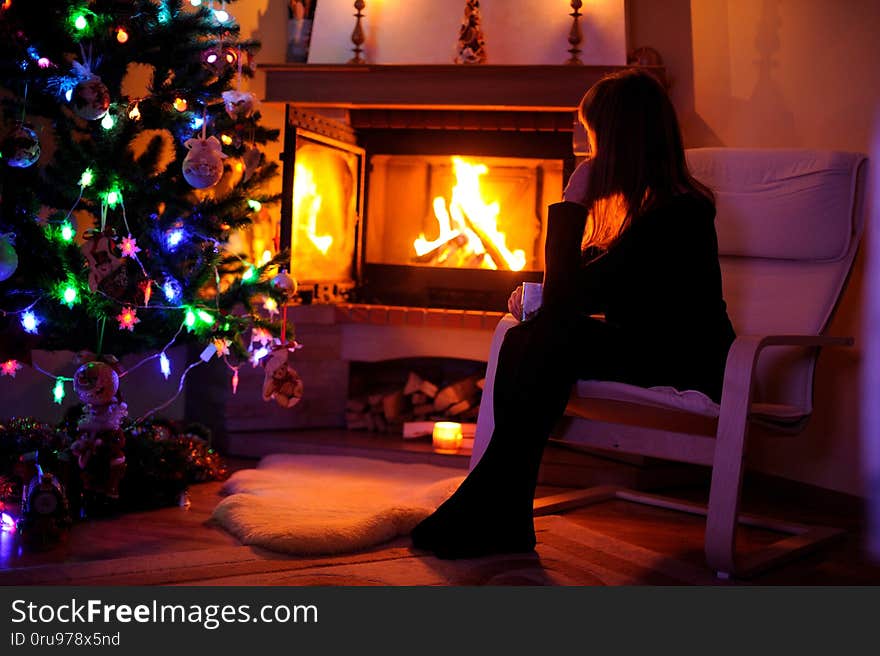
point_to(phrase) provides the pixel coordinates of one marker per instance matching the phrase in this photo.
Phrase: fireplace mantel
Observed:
(456, 87)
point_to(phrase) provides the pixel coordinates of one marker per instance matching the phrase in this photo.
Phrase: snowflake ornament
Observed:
(10, 368)
(129, 247)
(127, 319)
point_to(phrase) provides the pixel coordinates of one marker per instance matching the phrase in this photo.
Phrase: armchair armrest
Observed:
(742, 360)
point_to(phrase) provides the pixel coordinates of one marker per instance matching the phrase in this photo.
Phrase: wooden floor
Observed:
(172, 530)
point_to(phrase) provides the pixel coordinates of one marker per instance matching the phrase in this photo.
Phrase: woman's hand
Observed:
(514, 303)
(578, 183)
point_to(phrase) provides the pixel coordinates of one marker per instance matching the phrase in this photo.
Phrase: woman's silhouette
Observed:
(634, 240)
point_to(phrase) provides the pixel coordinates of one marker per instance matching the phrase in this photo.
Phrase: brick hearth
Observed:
(393, 315)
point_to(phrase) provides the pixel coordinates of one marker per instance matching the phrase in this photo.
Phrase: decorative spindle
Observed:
(357, 35)
(575, 36)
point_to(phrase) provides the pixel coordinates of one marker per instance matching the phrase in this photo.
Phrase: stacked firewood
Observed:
(418, 400)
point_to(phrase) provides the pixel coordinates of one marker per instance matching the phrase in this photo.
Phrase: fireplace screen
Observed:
(460, 212)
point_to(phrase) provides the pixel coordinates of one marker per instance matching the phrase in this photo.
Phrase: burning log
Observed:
(441, 251)
(491, 250)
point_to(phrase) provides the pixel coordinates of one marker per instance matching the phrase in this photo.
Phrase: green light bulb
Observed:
(107, 122)
(67, 232)
(70, 296)
(80, 22)
(255, 205)
(190, 320)
(112, 198)
(58, 391)
(86, 178)
(206, 317)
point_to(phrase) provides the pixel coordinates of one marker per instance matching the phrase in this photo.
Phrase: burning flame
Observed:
(307, 203)
(470, 221)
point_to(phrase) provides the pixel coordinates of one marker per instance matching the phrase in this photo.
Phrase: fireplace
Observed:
(423, 186)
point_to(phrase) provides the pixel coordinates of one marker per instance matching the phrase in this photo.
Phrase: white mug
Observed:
(531, 299)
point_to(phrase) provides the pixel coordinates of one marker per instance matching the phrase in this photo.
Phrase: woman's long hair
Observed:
(639, 157)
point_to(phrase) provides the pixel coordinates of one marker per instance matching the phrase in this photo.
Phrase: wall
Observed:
(785, 73)
(516, 31)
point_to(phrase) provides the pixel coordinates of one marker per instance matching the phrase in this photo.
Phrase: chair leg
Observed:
(724, 493)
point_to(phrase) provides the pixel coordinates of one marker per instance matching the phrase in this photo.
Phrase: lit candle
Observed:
(447, 437)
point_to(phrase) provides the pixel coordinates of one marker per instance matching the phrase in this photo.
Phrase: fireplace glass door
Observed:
(324, 199)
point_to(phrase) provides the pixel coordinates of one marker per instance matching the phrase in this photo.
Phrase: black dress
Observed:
(665, 323)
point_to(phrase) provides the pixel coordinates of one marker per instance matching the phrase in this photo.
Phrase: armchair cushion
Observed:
(690, 401)
(687, 401)
(781, 203)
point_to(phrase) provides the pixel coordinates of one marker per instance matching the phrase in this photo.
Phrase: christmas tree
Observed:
(118, 201)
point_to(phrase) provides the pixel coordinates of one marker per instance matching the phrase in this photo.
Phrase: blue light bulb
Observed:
(29, 322)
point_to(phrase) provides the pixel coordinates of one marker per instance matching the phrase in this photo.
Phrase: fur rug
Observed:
(318, 505)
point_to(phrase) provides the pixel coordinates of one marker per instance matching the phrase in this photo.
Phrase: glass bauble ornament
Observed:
(203, 165)
(21, 147)
(285, 283)
(239, 104)
(95, 383)
(90, 99)
(8, 257)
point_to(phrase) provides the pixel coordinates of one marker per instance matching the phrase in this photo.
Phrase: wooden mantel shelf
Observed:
(456, 87)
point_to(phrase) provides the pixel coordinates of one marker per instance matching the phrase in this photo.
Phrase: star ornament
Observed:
(271, 306)
(222, 346)
(10, 368)
(129, 247)
(127, 319)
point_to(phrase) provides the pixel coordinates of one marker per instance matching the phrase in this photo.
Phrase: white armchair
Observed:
(789, 223)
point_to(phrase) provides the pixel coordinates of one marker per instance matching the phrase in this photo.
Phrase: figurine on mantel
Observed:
(471, 44)
(100, 443)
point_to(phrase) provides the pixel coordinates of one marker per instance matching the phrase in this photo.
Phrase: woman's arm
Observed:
(562, 255)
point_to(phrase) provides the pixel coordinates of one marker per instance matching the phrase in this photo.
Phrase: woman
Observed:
(649, 263)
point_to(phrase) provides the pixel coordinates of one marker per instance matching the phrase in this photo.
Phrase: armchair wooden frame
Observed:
(724, 453)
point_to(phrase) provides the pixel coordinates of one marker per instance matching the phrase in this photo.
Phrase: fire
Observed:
(307, 204)
(468, 226)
